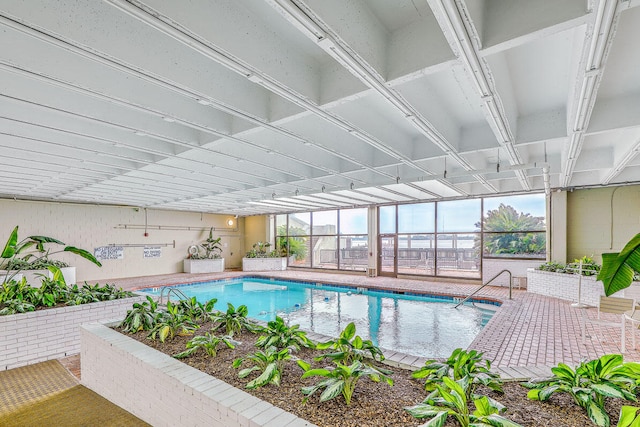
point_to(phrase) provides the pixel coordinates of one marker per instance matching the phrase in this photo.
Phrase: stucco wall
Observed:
(255, 230)
(91, 226)
(591, 214)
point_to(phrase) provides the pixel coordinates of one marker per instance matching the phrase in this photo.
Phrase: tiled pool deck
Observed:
(528, 333)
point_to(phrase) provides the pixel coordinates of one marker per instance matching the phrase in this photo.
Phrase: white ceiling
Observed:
(263, 106)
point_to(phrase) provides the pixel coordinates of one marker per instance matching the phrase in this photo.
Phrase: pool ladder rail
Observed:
(488, 282)
(170, 290)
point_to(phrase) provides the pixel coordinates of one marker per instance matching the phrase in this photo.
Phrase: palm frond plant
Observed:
(269, 362)
(33, 249)
(341, 379)
(590, 384)
(450, 398)
(278, 334)
(349, 347)
(208, 343)
(460, 364)
(629, 417)
(233, 320)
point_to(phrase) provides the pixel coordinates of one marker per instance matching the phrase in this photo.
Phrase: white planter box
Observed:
(124, 371)
(53, 333)
(565, 286)
(264, 264)
(203, 265)
(5, 275)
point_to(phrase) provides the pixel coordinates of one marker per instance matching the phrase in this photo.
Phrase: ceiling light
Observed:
(230, 222)
(140, 133)
(203, 102)
(169, 119)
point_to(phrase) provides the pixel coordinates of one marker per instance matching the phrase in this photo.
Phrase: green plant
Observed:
(15, 306)
(349, 347)
(450, 398)
(142, 317)
(629, 417)
(51, 292)
(171, 322)
(279, 335)
(554, 267)
(207, 342)
(260, 250)
(341, 379)
(195, 310)
(461, 364)
(590, 384)
(14, 290)
(212, 248)
(585, 266)
(511, 232)
(270, 364)
(14, 248)
(618, 269)
(233, 320)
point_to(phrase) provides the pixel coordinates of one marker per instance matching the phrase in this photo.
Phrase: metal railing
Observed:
(485, 284)
(171, 290)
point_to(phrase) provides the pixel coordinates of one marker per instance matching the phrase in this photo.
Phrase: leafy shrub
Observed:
(233, 320)
(142, 317)
(349, 347)
(278, 334)
(260, 250)
(171, 322)
(589, 267)
(207, 342)
(341, 379)
(270, 363)
(590, 384)
(461, 364)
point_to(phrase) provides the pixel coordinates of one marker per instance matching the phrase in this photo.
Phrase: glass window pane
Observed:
(416, 253)
(515, 245)
(353, 221)
(457, 256)
(416, 218)
(459, 215)
(515, 213)
(281, 225)
(325, 222)
(354, 252)
(325, 252)
(298, 250)
(387, 221)
(299, 223)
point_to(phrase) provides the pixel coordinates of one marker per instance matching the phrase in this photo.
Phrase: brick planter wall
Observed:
(565, 286)
(166, 392)
(41, 335)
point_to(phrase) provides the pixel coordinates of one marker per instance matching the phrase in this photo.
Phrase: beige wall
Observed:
(601, 220)
(256, 229)
(91, 226)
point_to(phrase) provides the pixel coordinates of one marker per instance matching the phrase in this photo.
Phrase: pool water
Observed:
(412, 324)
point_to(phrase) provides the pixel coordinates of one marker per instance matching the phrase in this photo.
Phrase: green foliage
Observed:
(291, 242)
(619, 269)
(450, 398)
(212, 248)
(208, 343)
(590, 384)
(349, 347)
(195, 310)
(513, 232)
(629, 417)
(278, 334)
(51, 292)
(554, 267)
(341, 379)
(270, 363)
(260, 250)
(461, 364)
(142, 317)
(33, 250)
(15, 306)
(589, 267)
(171, 322)
(233, 320)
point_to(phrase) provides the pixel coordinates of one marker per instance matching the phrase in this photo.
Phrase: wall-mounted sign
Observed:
(109, 252)
(152, 251)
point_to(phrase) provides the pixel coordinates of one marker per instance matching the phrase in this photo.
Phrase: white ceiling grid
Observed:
(266, 106)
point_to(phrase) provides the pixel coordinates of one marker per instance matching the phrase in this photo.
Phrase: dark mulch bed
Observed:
(373, 404)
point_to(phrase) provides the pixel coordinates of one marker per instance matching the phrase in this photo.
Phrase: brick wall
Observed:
(41, 335)
(166, 392)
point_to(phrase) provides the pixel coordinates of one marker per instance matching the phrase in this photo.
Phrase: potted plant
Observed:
(30, 254)
(260, 258)
(207, 260)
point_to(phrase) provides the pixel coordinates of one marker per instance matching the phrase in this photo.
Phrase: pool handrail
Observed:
(170, 289)
(485, 284)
